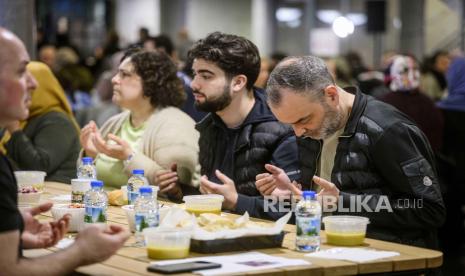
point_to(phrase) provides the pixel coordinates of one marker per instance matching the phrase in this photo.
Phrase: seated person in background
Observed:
(20, 230)
(75, 78)
(453, 108)
(358, 149)
(404, 77)
(433, 80)
(163, 43)
(49, 139)
(240, 134)
(153, 134)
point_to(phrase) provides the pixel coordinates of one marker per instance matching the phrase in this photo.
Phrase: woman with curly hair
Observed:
(153, 134)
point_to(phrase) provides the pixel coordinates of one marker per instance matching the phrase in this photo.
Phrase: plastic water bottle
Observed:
(136, 181)
(146, 212)
(95, 202)
(87, 169)
(308, 223)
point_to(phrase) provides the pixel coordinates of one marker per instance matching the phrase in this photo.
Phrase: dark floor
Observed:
(454, 264)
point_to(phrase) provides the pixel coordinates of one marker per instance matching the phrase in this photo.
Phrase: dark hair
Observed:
(164, 42)
(159, 77)
(430, 61)
(235, 55)
(306, 75)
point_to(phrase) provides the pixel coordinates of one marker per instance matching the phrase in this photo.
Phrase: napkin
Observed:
(358, 255)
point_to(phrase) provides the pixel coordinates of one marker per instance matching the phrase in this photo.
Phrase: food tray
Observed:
(237, 244)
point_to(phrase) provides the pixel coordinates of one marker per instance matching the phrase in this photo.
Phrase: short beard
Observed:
(332, 122)
(215, 104)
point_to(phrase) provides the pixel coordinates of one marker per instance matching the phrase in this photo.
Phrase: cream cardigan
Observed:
(170, 137)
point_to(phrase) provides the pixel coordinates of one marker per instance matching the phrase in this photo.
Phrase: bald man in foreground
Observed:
(20, 230)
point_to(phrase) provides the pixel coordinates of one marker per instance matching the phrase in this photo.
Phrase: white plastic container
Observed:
(76, 222)
(29, 199)
(79, 187)
(199, 204)
(33, 179)
(345, 230)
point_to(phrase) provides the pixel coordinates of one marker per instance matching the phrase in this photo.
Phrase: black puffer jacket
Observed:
(383, 153)
(262, 139)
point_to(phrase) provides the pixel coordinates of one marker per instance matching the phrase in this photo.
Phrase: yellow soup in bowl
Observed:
(160, 252)
(345, 239)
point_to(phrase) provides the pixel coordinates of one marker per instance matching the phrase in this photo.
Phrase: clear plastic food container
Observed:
(77, 212)
(345, 230)
(167, 243)
(29, 199)
(33, 179)
(199, 204)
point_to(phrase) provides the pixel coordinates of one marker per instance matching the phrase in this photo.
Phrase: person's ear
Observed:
(331, 95)
(238, 83)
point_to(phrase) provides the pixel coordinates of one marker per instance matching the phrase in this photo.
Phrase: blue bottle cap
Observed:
(309, 195)
(138, 172)
(145, 190)
(96, 184)
(87, 160)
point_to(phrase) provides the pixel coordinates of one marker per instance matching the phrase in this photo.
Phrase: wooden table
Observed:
(133, 261)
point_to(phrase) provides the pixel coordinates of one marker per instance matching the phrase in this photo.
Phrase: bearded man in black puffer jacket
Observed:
(366, 156)
(240, 135)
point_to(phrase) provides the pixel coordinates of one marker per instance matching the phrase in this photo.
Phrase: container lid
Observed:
(309, 195)
(203, 197)
(138, 171)
(87, 160)
(187, 230)
(346, 219)
(30, 173)
(96, 184)
(145, 190)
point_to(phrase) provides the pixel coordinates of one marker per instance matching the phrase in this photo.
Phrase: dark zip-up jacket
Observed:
(261, 140)
(383, 153)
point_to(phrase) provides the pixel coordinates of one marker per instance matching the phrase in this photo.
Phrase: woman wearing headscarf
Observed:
(403, 76)
(49, 139)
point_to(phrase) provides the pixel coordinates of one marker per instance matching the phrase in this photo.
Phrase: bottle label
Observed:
(143, 221)
(132, 197)
(95, 215)
(308, 226)
(134, 183)
(77, 197)
(87, 171)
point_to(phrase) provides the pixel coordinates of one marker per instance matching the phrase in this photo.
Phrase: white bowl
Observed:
(129, 211)
(76, 222)
(29, 199)
(30, 179)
